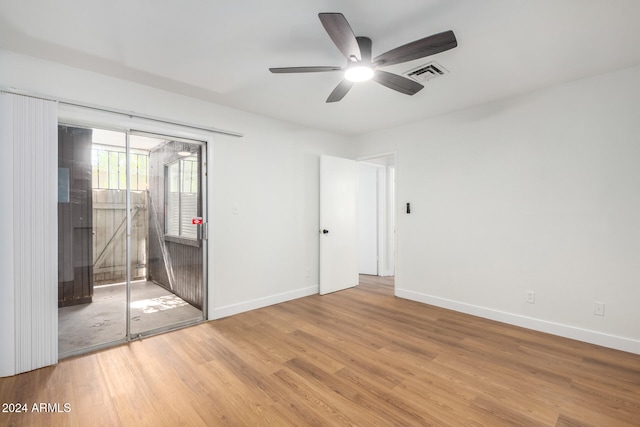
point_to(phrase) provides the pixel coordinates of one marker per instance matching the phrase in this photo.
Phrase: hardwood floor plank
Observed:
(322, 402)
(357, 357)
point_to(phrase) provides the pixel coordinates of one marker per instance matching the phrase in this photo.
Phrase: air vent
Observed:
(426, 72)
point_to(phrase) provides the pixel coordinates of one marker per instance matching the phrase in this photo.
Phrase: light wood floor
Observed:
(357, 357)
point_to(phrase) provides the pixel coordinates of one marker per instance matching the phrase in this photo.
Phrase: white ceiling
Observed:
(220, 50)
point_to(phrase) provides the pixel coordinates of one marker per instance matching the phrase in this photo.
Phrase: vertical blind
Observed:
(28, 226)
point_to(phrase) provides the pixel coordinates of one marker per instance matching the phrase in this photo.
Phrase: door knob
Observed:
(325, 231)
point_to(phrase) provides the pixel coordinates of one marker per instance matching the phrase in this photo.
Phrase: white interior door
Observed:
(338, 224)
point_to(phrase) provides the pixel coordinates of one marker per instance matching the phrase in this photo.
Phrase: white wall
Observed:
(539, 192)
(268, 251)
(368, 221)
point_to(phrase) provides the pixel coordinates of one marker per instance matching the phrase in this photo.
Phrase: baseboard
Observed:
(585, 335)
(230, 310)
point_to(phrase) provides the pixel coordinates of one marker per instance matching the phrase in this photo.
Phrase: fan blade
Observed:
(304, 69)
(418, 49)
(365, 49)
(396, 82)
(340, 91)
(340, 32)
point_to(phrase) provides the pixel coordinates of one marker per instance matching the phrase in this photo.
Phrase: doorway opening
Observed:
(376, 215)
(130, 236)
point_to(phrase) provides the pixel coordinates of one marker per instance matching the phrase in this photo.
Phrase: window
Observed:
(182, 198)
(109, 169)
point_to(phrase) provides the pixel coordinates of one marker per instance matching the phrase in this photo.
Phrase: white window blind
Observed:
(182, 198)
(28, 226)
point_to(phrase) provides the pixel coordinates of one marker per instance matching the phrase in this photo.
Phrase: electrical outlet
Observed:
(530, 297)
(598, 308)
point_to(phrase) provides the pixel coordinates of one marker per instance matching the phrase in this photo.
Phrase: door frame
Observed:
(203, 231)
(387, 209)
(86, 117)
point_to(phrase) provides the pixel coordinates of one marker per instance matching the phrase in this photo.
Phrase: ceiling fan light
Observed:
(358, 74)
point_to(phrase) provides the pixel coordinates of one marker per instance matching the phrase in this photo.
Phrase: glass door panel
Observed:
(165, 208)
(130, 248)
(91, 238)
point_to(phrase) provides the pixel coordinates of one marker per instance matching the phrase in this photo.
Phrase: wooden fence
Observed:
(109, 235)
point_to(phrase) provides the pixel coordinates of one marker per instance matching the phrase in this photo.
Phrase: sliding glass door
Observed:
(171, 294)
(130, 231)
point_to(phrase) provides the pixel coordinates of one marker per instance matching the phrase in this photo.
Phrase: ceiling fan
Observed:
(361, 67)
